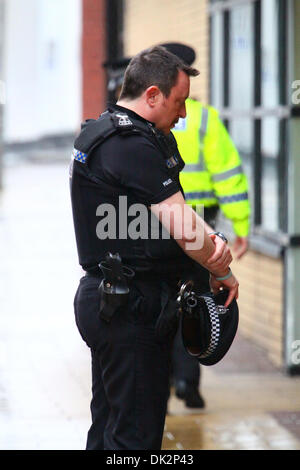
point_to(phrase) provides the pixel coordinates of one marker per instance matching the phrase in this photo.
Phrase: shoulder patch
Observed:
(172, 161)
(124, 120)
(121, 120)
(79, 156)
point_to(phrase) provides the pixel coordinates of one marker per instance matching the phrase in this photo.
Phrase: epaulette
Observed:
(94, 132)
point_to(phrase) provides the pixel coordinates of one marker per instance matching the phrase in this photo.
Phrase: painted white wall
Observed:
(42, 68)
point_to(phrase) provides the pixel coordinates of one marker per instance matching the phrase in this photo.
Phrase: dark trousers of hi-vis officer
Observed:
(130, 365)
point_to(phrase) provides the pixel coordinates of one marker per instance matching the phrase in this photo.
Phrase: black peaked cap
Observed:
(186, 53)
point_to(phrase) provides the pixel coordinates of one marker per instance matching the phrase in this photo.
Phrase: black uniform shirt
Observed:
(143, 168)
(134, 163)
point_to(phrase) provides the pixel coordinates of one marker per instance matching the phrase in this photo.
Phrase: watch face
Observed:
(221, 235)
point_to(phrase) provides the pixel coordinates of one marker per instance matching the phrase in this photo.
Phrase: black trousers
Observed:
(130, 364)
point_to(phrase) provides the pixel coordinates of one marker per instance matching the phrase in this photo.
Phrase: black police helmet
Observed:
(116, 70)
(186, 53)
(207, 327)
(117, 64)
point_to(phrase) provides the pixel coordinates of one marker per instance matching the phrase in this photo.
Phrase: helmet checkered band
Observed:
(79, 156)
(215, 327)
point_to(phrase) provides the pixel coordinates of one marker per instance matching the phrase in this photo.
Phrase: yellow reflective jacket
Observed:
(213, 174)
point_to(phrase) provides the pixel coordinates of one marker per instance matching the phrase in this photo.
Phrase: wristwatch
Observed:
(221, 235)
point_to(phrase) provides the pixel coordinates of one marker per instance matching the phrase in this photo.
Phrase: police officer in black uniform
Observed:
(185, 370)
(123, 162)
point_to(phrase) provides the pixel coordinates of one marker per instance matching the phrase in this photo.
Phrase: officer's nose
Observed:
(182, 113)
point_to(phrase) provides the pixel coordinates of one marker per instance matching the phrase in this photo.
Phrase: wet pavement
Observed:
(45, 367)
(250, 405)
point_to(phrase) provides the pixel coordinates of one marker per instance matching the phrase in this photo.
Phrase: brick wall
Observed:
(261, 302)
(93, 55)
(150, 22)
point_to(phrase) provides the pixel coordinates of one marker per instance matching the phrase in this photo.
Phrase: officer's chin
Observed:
(166, 131)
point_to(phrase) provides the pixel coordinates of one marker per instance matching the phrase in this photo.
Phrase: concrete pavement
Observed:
(250, 405)
(44, 365)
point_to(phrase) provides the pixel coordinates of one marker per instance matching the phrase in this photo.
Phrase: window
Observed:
(248, 50)
(217, 77)
(241, 73)
(269, 125)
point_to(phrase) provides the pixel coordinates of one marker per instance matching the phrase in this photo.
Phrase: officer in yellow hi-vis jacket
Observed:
(213, 175)
(214, 179)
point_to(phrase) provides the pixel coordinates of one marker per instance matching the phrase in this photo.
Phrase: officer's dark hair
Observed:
(153, 66)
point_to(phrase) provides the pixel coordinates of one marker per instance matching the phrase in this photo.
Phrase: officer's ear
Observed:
(153, 95)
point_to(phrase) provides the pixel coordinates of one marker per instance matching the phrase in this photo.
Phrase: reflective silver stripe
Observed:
(204, 119)
(201, 164)
(193, 167)
(202, 132)
(200, 195)
(228, 174)
(233, 198)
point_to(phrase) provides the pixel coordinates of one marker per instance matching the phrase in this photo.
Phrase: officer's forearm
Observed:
(208, 228)
(203, 254)
(188, 229)
(195, 241)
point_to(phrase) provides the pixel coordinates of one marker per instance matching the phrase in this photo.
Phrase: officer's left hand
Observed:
(221, 258)
(231, 284)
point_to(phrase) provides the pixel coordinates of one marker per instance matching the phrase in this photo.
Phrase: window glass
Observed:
(270, 76)
(217, 79)
(241, 72)
(270, 53)
(270, 125)
(270, 137)
(269, 197)
(241, 69)
(241, 131)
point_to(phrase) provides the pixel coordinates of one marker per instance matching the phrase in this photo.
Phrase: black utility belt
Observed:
(138, 275)
(114, 283)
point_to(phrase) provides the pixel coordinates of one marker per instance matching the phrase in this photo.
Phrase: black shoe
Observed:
(190, 394)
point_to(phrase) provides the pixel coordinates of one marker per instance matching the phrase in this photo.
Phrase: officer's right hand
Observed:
(221, 258)
(231, 284)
